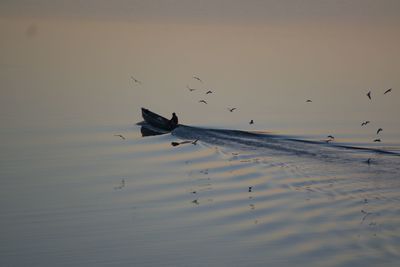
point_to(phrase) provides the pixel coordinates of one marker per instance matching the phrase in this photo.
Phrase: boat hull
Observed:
(156, 120)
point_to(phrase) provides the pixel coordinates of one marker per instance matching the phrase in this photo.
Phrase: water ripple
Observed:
(336, 213)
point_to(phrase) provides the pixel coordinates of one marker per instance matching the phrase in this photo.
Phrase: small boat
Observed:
(156, 120)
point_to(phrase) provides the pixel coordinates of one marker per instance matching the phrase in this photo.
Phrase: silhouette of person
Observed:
(173, 122)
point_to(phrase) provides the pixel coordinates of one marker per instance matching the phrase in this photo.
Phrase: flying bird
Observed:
(197, 78)
(208, 92)
(231, 109)
(184, 142)
(175, 144)
(120, 135)
(379, 130)
(387, 91)
(203, 101)
(251, 122)
(136, 80)
(369, 95)
(308, 101)
(377, 140)
(331, 136)
(365, 123)
(190, 89)
(194, 142)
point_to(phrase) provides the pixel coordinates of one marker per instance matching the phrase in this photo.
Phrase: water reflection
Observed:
(147, 130)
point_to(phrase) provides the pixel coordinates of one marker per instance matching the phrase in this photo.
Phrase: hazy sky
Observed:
(72, 60)
(231, 11)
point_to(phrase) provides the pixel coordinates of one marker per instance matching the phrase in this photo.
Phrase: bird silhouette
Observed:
(369, 95)
(197, 78)
(251, 122)
(387, 91)
(136, 80)
(368, 161)
(308, 101)
(331, 136)
(190, 89)
(365, 123)
(379, 130)
(120, 135)
(203, 101)
(377, 140)
(208, 92)
(184, 142)
(231, 109)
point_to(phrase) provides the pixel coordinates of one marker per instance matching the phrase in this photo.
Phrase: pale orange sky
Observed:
(71, 60)
(231, 11)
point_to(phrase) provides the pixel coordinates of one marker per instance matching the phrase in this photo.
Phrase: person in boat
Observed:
(173, 122)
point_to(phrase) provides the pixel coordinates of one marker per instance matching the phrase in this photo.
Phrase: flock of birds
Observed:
(330, 138)
(369, 95)
(191, 89)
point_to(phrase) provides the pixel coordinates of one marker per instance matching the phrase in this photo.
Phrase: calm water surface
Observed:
(82, 196)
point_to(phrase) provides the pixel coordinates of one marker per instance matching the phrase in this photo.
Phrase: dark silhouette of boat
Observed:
(157, 121)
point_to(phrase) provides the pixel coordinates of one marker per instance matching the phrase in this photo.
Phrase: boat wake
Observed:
(281, 145)
(280, 191)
